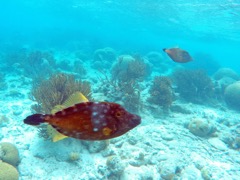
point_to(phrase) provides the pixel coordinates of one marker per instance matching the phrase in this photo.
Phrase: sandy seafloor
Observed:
(159, 148)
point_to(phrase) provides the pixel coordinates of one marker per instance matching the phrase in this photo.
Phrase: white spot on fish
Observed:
(63, 113)
(94, 113)
(96, 121)
(85, 112)
(101, 116)
(105, 111)
(104, 124)
(95, 129)
(75, 109)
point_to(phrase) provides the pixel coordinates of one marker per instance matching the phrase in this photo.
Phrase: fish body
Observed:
(89, 120)
(178, 55)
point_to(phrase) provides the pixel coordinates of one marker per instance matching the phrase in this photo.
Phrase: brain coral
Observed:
(201, 127)
(232, 95)
(8, 172)
(226, 72)
(9, 153)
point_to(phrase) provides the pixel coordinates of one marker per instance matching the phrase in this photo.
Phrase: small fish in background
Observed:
(178, 55)
(89, 120)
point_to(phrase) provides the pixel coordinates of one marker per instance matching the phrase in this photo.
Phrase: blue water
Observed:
(141, 26)
(43, 37)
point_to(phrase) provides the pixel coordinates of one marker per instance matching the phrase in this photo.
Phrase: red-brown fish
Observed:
(89, 120)
(178, 55)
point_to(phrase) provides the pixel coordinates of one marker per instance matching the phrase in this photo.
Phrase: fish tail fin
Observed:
(164, 49)
(34, 119)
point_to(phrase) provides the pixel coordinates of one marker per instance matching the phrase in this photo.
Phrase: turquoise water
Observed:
(189, 111)
(198, 26)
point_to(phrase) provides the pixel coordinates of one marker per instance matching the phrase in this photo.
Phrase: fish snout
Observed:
(135, 120)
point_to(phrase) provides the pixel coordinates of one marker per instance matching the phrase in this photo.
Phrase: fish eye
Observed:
(119, 113)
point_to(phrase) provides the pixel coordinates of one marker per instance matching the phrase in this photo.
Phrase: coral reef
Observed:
(123, 86)
(232, 95)
(115, 167)
(79, 69)
(3, 119)
(73, 156)
(43, 132)
(127, 93)
(8, 172)
(201, 127)
(103, 58)
(220, 86)
(55, 90)
(33, 63)
(161, 92)
(9, 153)
(105, 54)
(157, 62)
(226, 72)
(129, 68)
(96, 146)
(193, 85)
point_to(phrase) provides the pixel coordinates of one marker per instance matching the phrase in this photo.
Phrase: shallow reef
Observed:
(32, 63)
(232, 95)
(193, 85)
(130, 68)
(9, 160)
(161, 92)
(55, 90)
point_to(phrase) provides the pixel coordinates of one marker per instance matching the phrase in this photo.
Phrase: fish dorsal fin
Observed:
(57, 108)
(75, 98)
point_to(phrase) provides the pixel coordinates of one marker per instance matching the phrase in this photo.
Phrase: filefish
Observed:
(73, 99)
(178, 55)
(89, 120)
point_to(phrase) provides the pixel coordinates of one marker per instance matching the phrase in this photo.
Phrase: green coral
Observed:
(8, 172)
(161, 92)
(55, 90)
(232, 95)
(9, 153)
(193, 85)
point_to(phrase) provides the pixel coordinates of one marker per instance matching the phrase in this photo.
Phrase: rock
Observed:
(218, 144)
(115, 166)
(167, 136)
(167, 170)
(180, 109)
(96, 146)
(138, 159)
(191, 172)
(201, 127)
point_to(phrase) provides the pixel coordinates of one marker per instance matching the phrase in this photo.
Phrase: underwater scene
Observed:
(119, 90)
